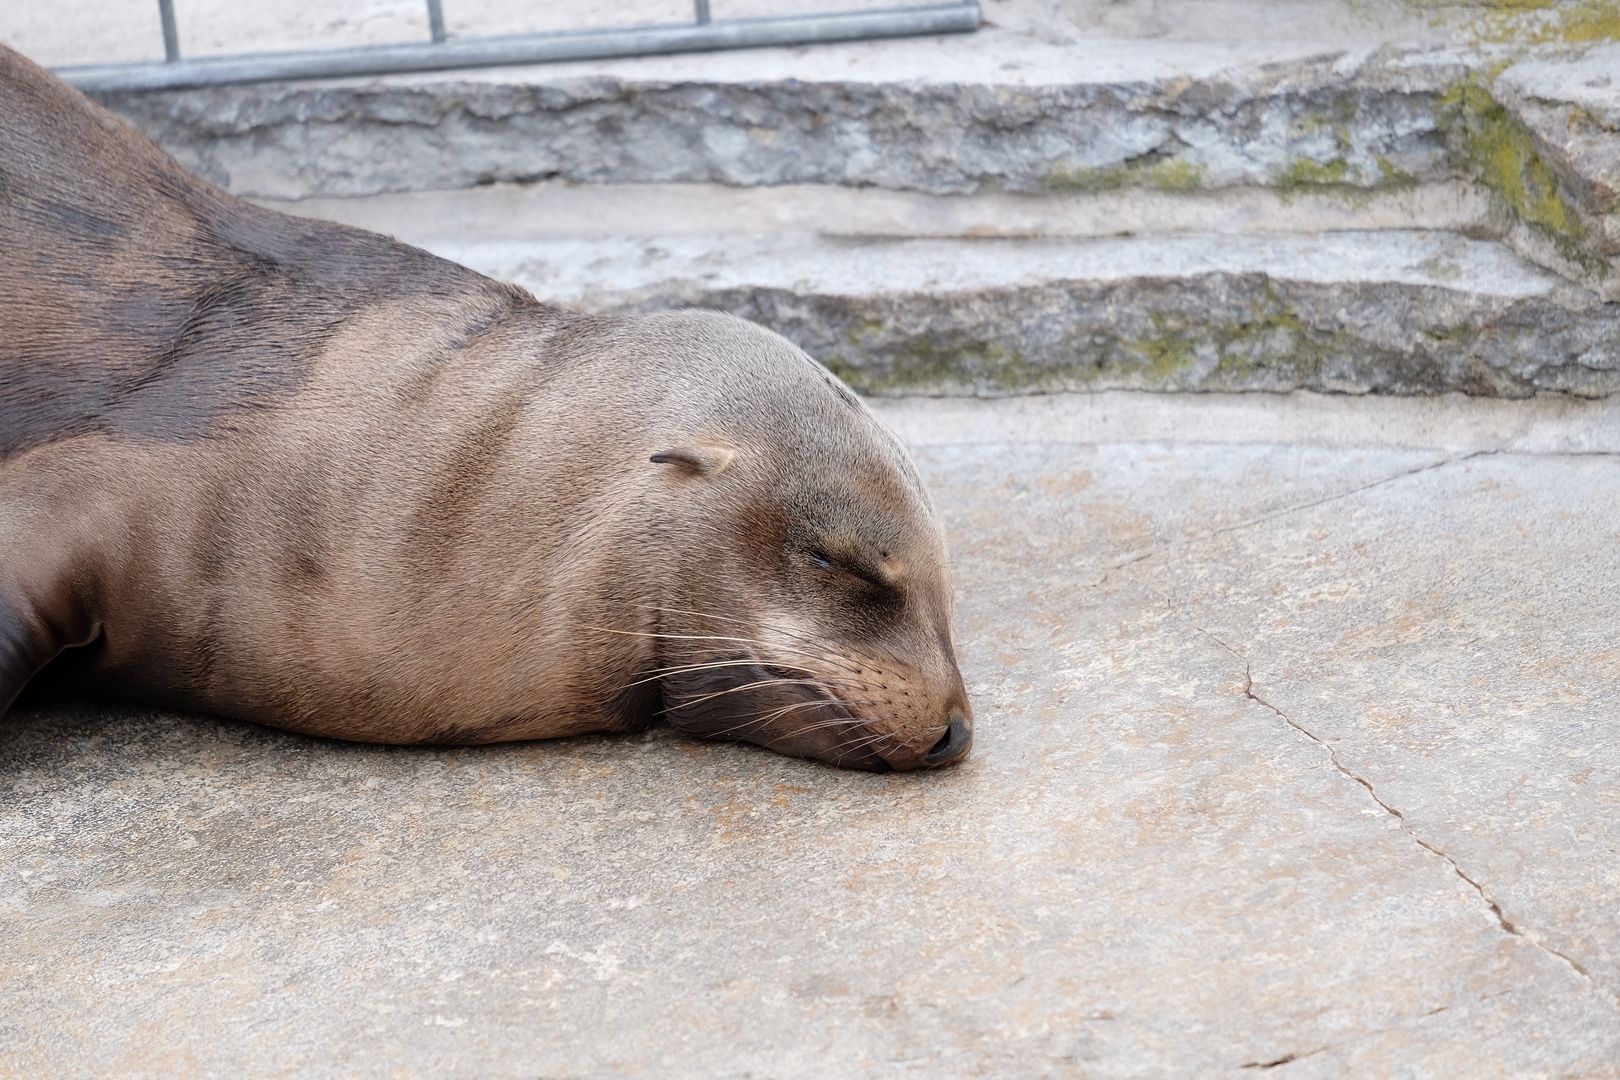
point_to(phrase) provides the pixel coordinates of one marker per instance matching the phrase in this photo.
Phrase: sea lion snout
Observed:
(954, 744)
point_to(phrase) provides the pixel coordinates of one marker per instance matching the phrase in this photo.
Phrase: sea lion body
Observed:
(302, 474)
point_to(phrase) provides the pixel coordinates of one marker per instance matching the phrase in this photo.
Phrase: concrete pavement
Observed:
(1296, 750)
(1296, 757)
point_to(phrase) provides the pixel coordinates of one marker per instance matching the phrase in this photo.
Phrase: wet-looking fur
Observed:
(303, 474)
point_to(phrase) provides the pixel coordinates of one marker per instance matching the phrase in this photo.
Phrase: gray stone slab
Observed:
(1143, 869)
(1462, 663)
(934, 115)
(940, 118)
(557, 209)
(1389, 311)
(1354, 100)
(1570, 106)
(1456, 423)
(1234, 289)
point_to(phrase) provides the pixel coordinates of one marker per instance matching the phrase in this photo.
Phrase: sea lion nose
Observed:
(954, 744)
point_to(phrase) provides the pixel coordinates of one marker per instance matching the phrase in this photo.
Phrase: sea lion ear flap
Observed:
(697, 460)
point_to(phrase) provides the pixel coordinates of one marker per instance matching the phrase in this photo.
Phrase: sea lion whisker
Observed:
(757, 642)
(689, 669)
(822, 650)
(833, 721)
(654, 674)
(862, 744)
(699, 699)
(844, 750)
(753, 686)
(811, 679)
(840, 722)
(785, 709)
(757, 721)
(715, 665)
(749, 723)
(748, 686)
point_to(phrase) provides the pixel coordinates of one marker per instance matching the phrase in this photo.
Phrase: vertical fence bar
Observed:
(702, 11)
(436, 20)
(171, 32)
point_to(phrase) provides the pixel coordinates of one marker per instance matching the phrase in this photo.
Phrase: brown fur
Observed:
(303, 474)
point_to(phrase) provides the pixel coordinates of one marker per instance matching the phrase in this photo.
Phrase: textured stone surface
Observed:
(1483, 656)
(1013, 292)
(1392, 312)
(1571, 108)
(1456, 423)
(1146, 868)
(1572, 104)
(1087, 115)
(556, 209)
(1355, 100)
(1173, 118)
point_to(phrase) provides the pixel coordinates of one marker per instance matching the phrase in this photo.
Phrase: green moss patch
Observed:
(1497, 148)
(923, 364)
(1268, 344)
(1598, 20)
(1163, 173)
(1538, 22)
(1394, 175)
(1304, 174)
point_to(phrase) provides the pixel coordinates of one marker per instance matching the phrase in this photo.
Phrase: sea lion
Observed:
(302, 474)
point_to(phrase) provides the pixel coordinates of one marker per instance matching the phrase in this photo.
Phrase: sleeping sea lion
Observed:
(299, 473)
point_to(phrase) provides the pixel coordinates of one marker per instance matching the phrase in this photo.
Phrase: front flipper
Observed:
(36, 625)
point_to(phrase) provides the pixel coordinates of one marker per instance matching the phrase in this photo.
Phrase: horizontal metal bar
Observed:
(530, 48)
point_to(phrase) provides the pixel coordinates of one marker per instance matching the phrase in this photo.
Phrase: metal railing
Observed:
(442, 51)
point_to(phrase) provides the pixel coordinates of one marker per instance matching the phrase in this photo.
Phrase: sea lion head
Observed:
(807, 604)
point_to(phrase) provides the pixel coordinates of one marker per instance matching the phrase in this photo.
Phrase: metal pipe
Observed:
(171, 32)
(702, 11)
(531, 48)
(436, 20)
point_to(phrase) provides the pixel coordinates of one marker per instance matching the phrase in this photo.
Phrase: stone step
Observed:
(551, 209)
(1396, 310)
(945, 116)
(994, 112)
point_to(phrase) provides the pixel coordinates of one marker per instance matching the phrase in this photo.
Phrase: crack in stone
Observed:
(1363, 1036)
(1284, 1060)
(1496, 909)
(1284, 512)
(1261, 520)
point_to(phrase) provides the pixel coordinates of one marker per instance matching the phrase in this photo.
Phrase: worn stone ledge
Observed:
(1092, 116)
(1556, 424)
(555, 209)
(1570, 109)
(1399, 312)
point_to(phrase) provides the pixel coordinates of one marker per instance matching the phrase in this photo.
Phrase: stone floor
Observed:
(1296, 754)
